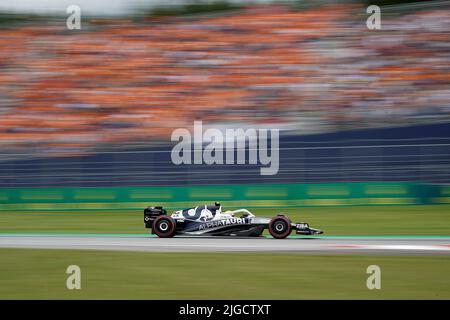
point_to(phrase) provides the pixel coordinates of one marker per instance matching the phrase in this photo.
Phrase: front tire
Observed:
(280, 227)
(164, 227)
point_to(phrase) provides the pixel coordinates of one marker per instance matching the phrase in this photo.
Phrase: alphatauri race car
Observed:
(209, 220)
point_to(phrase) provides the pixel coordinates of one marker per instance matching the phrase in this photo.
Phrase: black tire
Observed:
(164, 227)
(280, 227)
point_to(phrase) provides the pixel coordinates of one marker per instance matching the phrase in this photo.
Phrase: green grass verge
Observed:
(41, 274)
(357, 221)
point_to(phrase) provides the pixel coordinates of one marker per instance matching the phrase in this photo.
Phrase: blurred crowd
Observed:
(119, 82)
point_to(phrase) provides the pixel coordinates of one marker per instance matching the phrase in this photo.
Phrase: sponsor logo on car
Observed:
(225, 222)
(302, 226)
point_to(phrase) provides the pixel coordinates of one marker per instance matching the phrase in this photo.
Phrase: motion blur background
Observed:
(363, 114)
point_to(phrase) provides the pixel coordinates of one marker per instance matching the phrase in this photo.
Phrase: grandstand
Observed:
(309, 71)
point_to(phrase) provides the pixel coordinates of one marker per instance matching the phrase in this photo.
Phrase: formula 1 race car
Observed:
(209, 220)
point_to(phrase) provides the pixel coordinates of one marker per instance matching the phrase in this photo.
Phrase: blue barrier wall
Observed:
(415, 153)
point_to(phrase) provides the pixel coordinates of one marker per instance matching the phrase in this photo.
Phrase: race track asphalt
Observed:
(370, 245)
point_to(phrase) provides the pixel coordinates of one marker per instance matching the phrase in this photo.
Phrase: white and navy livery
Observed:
(209, 220)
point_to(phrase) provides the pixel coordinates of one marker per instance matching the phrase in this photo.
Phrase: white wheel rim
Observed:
(164, 226)
(279, 227)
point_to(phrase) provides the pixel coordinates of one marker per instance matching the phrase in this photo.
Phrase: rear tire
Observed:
(280, 227)
(164, 227)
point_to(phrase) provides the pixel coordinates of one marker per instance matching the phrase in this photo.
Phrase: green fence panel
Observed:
(273, 195)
